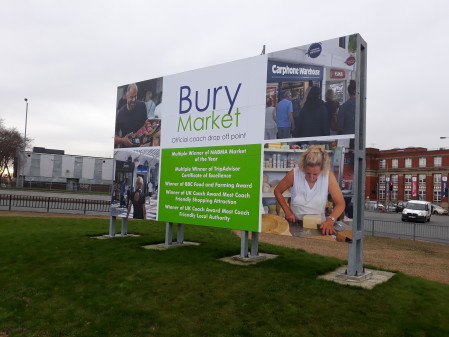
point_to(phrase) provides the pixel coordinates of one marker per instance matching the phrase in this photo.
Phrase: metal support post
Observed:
(355, 249)
(168, 233)
(355, 259)
(254, 244)
(112, 221)
(180, 235)
(244, 245)
(124, 226)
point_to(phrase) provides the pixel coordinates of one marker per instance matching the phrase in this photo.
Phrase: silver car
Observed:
(439, 210)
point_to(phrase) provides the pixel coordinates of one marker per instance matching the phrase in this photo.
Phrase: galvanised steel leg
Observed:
(168, 233)
(254, 244)
(124, 226)
(244, 245)
(112, 222)
(355, 253)
(180, 235)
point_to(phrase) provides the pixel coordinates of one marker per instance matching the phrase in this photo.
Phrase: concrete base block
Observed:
(163, 246)
(368, 280)
(104, 237)
(250, 260)
(356, 278)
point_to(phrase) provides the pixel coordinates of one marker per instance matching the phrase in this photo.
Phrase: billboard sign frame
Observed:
(210, 128)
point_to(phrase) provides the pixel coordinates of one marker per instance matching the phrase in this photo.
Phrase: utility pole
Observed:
(26, 117)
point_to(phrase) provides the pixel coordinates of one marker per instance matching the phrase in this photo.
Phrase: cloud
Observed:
(68, 58)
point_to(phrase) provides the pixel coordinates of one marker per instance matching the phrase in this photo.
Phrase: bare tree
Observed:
(10, 142)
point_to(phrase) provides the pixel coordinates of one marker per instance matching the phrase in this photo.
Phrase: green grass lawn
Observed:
(57, 281)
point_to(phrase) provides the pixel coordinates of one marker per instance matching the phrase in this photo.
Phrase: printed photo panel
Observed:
(210, 146)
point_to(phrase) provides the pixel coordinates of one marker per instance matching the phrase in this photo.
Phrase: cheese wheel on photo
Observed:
(274, 224)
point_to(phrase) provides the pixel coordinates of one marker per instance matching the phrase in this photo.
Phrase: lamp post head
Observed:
(443, 137)
(26, 100)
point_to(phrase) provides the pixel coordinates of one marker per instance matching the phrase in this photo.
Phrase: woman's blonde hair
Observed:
(139, 183)
(315, 156)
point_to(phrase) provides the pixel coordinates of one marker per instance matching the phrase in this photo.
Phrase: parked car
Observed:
(391, 208)
(417, 210)
(374, 205)
(439, 210)
(400, 206)
(3, 185)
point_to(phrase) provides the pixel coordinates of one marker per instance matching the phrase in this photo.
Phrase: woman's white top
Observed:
(306, 200)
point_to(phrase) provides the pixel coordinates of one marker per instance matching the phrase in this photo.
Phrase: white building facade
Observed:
(47, 170)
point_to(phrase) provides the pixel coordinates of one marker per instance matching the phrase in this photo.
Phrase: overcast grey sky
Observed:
(68, 57)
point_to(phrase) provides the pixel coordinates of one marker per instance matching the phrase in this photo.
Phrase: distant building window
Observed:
(394, 178)
(342, 42)
(422, 183)
(437, 161)
(422, 162)
(437, 179)
(394, 163)
(436, 196)
(422, 178)
(394, 195)
(422, 195)
(382, 163)
(408, 162)
(382, 179)
(381, 194)
(407, 195)
(408, 179)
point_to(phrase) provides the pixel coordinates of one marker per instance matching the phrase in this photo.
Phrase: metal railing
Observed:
(374, 227)
(54, 186)
(407, 230)
(48, 204)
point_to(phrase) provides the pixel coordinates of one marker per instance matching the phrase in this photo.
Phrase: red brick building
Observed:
(405, 174)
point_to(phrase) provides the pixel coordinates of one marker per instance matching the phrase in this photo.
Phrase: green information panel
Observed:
(211, 186)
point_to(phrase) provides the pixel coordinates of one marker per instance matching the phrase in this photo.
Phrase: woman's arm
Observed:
(327, 227)
(274, 114)
(283, 185)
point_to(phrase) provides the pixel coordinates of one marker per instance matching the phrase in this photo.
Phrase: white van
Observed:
(417, 210)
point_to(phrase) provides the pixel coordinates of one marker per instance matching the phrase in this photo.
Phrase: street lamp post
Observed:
(26, 118)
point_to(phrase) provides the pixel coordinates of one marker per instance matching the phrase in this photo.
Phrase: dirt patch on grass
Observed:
(427, 260)
(416, 258)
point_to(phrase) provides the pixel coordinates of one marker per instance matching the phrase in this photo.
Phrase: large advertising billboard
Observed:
(262, 144)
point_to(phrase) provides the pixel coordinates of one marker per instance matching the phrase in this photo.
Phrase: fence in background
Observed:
(407, 230)
(52, 186)
(48, 204)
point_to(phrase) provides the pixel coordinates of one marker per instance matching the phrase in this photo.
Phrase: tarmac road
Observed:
(391, 225)
(442, 220)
